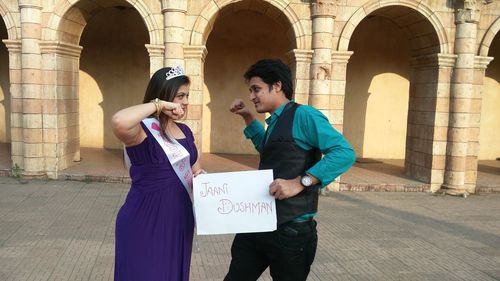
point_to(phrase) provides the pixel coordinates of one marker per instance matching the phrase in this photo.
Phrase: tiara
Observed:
(175, 72)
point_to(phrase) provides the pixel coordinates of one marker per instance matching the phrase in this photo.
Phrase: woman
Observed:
(154, 228)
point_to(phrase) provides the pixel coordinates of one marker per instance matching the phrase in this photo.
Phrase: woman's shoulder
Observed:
(185, 129)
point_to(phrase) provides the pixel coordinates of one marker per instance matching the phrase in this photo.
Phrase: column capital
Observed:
(33, 4)
(300, 55)
(481, 62)
(13, 46)
(341, 56)
(56, 47)
(173, 6)
(469, 11)
(155, 50)
(433, 60)
(191, 52)
(323, 8)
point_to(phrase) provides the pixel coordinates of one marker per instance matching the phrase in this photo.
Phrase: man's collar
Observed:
(276, 113)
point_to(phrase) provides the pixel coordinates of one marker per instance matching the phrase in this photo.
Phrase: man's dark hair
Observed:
(272, 71)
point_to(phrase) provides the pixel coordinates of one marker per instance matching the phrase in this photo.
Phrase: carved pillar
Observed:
(323, 14)
(174, 17)
(60, 99)
(480, 65)
(428, 118)
(31, 87)
(300, 63)
(337, 97)
(195, 64)
(466, 19)
(16, 102)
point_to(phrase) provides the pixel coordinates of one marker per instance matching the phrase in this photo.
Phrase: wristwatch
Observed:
(306, 180)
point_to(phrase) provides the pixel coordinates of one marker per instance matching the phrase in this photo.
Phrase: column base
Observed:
(461, 191)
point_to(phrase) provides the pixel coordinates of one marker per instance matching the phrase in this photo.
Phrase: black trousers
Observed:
(288, 251)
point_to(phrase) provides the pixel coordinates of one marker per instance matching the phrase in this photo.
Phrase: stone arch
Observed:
(348, 30)
(67, 22)
(488, 38)
(204, 22)
(9, 22)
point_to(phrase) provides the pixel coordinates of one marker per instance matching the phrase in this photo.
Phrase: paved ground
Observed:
(64, 230)
(106, 165)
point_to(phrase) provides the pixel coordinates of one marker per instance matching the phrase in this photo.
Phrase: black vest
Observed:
(288, 160)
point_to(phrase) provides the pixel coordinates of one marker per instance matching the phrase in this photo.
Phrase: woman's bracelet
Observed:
(158, 107)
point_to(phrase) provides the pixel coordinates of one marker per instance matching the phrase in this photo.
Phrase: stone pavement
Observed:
(64, 230)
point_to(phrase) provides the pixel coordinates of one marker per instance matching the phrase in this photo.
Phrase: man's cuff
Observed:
(315, 173)
(253, 129)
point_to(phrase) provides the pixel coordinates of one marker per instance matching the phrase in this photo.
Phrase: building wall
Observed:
(4, 89)
(405, 59)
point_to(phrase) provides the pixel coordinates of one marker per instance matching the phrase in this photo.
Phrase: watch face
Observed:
(306, 181)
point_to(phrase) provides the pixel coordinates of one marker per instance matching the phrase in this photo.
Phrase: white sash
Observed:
(177, 155)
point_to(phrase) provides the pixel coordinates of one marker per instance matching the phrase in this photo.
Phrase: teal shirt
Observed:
(311, 129)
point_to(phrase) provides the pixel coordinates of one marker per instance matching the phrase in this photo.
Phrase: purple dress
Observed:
(154, 227)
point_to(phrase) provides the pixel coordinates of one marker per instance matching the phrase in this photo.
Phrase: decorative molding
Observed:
(323, 8)
(433, 60)
(467, 11)
(173, 10)
(13, 46)
(193, 52)
(173, 6)
(481, 62)
(155, 50)
(56, 47)
(339, 57)
(300, 55)
(30, 6)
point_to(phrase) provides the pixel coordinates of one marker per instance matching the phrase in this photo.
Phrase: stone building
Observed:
(402, 79)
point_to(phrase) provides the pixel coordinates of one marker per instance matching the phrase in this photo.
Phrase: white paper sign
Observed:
(235, 202)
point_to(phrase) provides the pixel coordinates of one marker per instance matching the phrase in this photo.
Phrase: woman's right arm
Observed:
(126, 122)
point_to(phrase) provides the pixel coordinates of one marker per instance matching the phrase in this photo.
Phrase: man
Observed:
(296, 137)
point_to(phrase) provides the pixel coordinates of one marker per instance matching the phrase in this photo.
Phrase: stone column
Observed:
(471, 163)
(466, 21)
(16, 103)
(174, 18)
(323, 14)
(156, 57)
(61, 131)
(428, 112)
(338, 84)
(300, 63)
(337, 97)
(195, 64)
(31, 87)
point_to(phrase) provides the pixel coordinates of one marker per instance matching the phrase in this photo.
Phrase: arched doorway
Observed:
(101, 65)
(240, 36)
(5, 102)
(376, 102)
(489, 134)
(391, 91)
(488, 173)
(114, 71)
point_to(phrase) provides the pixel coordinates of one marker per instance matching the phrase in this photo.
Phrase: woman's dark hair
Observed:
(272, 71)
(160, 87)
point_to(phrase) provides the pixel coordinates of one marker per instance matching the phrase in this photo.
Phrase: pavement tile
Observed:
(59, 230)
